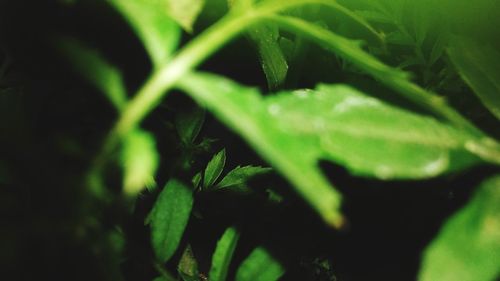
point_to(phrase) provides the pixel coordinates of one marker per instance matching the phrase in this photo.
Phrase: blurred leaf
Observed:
(214, 169)
(169, 218)
(238, 178)
(185, 12)
(188, 266)
(151, 21)
(188, 123)
(140, 161)
(271, 57)
(223, 255)
(479, 66)
(96, 70)
(338, 123)
(468, 246)
(259, 266)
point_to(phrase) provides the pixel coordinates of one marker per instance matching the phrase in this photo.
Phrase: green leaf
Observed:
(140, 161)
(479, 66)
(266, 39)
(188, 124)
(169, 218)
(294, 131)
(259, 266)
(468, 246)
(188, 265)
(237, 178)
(185, 12)
(214, 169)
(223, 254)
(96, 70)
(151, 20)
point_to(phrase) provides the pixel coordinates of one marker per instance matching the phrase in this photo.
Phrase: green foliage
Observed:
(238, 178)
(259, 266)
(169, 218)
(223, 254)
(214, 168)
(188, 124)
(479, 65)
(467, 247)
(184, 12)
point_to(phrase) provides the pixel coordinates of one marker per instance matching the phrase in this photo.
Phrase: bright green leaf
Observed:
(185, 12)
(259, 266)
(223, 254)
(188, 265)
(214, 169)
(188, 124)
(468, 246)
(169, 218)
(479, 66)
(140, 160)
(96, 70)
(152, 22)
(237, 178)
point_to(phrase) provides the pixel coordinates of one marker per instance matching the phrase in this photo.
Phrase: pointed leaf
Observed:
(468, 246)
(479, 66)
(185, 12)
(151, 20)
(96, 70)
(294, 131)
(188, 124)
(140, 160)
(259, 266)
(237, 178)
(214, 168)
(223, 254)
(169, 218)
(188, 265)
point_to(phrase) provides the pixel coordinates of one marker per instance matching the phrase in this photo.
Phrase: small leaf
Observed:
(169, 218)
(151, 20)
(140, 161)
(96, 70)
(479, 66)
(188, 124)
(237, 178)
(259, 266)
(185, 12)
(468, 246)
(214, 169)
(188, 265)
(223, 255)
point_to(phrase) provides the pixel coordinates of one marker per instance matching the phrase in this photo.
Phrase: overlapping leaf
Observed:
(468, 246)
(259, 266)
(223, 254)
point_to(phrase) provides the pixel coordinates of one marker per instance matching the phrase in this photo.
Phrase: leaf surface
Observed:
(259, 266)
(214, 168)
(467, 248)
(479, 66)
(169, 218)
(237, 178)
(223, 255)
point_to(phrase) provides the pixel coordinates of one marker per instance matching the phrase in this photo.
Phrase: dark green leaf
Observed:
(214, 169)
(169, 218)
(151, 21)
(259, 266)
(223, 255)
(188, 124)
(96, 70)
(140, 160)
(479, 66)
(468, 246)
(237, 178)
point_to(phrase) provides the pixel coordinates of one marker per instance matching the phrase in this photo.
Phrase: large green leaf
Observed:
(259, 266)
(96, 70)
(140, 160)
(169, 218)
(293, 131)
(152, 22)
(468, 246)
(223, 254)
(479, 66)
